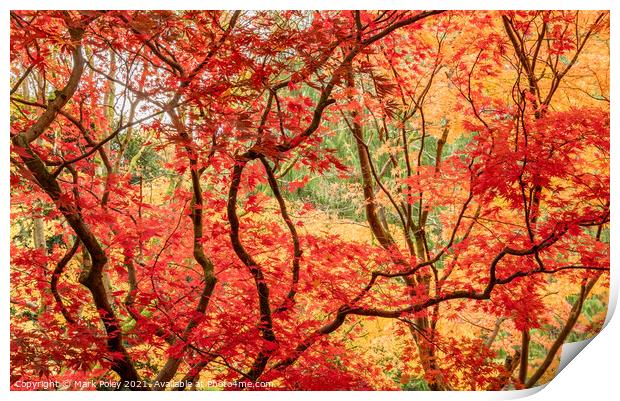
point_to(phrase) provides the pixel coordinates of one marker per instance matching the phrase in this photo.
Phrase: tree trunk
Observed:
(383, 236)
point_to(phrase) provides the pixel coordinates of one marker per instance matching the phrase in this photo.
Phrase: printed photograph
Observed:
(306, 200)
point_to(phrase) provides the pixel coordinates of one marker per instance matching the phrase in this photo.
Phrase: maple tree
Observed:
(164, 175)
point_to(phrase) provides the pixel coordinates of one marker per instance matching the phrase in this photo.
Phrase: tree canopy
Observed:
(312, 200)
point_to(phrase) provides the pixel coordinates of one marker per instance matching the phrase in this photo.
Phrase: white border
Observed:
(593, 375)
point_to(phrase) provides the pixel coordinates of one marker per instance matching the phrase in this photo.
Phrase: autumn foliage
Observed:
(387, 199)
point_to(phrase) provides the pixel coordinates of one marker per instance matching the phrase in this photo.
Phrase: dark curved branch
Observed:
(60, 267)
(266, 323)
(107, 139)
(92, 279)
(62, 96)
(22, 78)
(586, 287)
(273, 183)
(346, 310)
